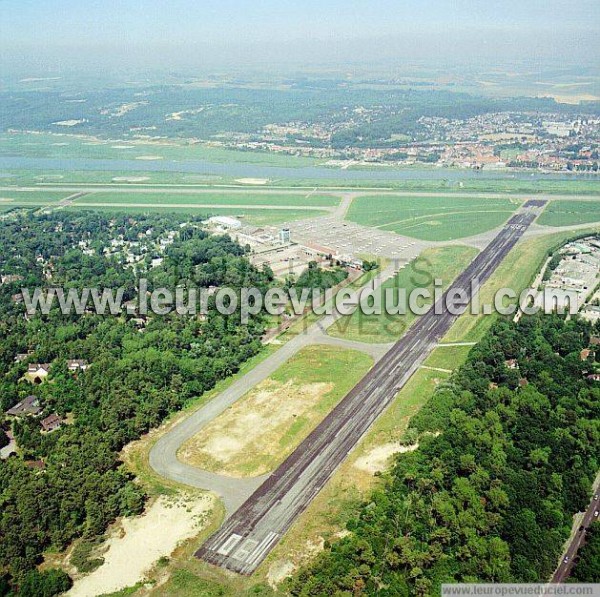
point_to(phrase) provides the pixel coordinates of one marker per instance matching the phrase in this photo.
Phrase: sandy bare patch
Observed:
(149, 157)
(284, 568)
(71, 122)
(5, 199)
(279, 571)
(130, 178)
(254, 181)
(378, 458)
(180, 115)
(136, 544)
(250, 437)
(125, 108)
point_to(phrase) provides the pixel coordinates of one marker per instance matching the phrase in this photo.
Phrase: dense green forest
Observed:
(587, 568)
(70, 482)
(507, 453)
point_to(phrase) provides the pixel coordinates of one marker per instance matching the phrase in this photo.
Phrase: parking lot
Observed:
(347, 238)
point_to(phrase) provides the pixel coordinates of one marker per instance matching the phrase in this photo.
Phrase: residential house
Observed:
(77, 365)
(36, 464)
(139, 322)
(38, 371)
(28, 406)
(51, 423)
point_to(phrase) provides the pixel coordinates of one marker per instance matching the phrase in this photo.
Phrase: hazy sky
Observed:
(214, 31)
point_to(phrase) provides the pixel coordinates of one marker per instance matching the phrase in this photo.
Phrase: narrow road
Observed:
(590, 516)
(342, 209)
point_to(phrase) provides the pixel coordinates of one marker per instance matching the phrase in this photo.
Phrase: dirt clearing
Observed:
(261, 429)
(379, 458)
(136, 544)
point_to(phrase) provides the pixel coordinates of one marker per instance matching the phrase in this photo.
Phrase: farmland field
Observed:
(568, 213)
(217, 198)
(435, 218)
(444, 263)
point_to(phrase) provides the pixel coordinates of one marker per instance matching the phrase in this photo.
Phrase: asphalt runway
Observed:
(246, 537)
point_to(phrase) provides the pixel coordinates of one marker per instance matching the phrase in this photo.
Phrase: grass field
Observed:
(217, 198)
(569, 213)
(106, 177)
(65, 146)
(453, 182)
(31, 197)
(254, 217)
(435, 218)
(448, 357)
(260, 430)
(444, 263)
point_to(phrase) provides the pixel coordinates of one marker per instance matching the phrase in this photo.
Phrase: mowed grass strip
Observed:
(448, 357)
(31, 197)
(254, 217)
(431, 218)
(570, 213)
(443, 263)
(260, 430)
(225, 198)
